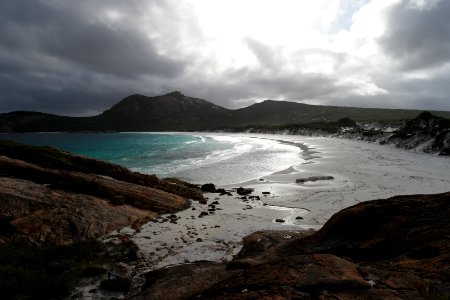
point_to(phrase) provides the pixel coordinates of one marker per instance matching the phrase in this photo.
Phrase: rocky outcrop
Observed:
(52, 197)
(427, 132)
(37, 214)
(52, 158)
(95, 185)
(397, 248)
(424, 133)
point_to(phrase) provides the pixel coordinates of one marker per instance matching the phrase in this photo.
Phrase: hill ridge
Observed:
(175, 111)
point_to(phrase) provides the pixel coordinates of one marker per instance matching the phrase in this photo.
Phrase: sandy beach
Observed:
(360, 172)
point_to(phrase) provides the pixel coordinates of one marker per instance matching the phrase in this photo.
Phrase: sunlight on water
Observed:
(221, 159)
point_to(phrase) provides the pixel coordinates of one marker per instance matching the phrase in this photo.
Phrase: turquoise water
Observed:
(221, 159)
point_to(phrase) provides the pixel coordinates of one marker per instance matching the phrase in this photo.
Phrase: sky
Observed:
(79, 58)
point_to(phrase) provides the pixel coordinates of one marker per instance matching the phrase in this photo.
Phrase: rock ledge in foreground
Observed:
(397, 248)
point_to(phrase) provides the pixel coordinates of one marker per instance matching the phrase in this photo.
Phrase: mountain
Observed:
(177, 112)
(171, 112)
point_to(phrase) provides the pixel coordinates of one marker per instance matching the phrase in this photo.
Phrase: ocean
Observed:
(197, 158)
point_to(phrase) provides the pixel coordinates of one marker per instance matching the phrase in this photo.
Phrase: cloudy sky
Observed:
(81, 57)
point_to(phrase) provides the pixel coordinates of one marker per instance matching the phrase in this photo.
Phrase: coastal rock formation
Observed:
(397, 248)
(52, 197)
(424, 133)
(52, 158)
(89, 184)
(427, 132)
(34, 213)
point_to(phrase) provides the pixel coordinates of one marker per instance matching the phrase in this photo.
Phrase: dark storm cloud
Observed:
(50, 51)
(77, 35)
(38, 95)
(81, 57)
(418, 38)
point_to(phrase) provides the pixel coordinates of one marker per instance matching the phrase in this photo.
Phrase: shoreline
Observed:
(361, 172)
(332, 175)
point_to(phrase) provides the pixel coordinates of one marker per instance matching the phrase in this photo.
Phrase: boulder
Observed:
(244, 191)
(208, 188)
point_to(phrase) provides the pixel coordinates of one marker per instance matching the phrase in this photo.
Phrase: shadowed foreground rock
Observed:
(397, 248)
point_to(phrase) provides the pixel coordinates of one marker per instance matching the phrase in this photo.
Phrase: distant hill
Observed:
(10, 121)
(177, 112)
(272, 112)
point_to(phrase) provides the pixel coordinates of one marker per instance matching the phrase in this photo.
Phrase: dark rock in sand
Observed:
(202, 214)
(314, 179)
(244, 191)
(208, 188)
(280, 220)
(266, 193)
(445, 152)
(396, 248)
